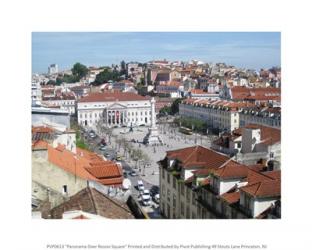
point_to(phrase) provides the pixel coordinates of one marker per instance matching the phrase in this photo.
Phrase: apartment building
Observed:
(199, 183)
(219, 115)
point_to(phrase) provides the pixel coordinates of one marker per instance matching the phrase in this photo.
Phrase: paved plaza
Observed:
(172, 140)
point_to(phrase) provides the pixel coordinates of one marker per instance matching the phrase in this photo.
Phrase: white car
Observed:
(146, 198)
(133, 173)
(140, 185)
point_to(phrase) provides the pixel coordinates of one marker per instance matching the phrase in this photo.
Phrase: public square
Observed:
(172, 139)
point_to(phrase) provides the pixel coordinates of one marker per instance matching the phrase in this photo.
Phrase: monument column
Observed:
(153, 117)
(152, 137)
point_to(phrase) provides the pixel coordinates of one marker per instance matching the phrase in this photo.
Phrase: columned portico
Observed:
(115, 115)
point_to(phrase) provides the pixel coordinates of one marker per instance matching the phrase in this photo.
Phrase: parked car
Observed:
(92, 135)
(154, 190)
(125, 174)
(156, 198)
(102, 148)
(103, 142)
(106, 154)
(118, 158)
(133, 173)
(140, 185)
(146, 198)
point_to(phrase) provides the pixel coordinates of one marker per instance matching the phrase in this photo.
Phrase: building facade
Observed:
(198, 183)
(219, 115)
(114, 109)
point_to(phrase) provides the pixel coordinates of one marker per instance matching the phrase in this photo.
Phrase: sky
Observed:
(252, 50)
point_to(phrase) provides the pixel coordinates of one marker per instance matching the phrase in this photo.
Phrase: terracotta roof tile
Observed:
(241, 93)
(232, 169)
(113, 97)
(198, 156)
(91, 201)
(230, 198)
(39, 145)
(264, 188)
(86, 165)
(269, 136)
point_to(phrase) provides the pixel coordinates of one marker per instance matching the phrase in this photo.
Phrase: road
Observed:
(110, 153)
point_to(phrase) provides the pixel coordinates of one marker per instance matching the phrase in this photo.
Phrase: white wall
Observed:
(262, 205)
(226, 185)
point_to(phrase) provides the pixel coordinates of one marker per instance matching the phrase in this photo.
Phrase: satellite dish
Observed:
(126, 184)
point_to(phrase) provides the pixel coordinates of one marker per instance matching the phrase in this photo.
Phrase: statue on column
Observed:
(153, 137)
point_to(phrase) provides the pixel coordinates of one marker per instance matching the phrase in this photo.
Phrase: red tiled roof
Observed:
(241, 93)
(39, 144)
(263, 184)
(92, 201)
(105, 170)
(198, 156)
(231, 198)
(113, 97)
(197, 91)
(232, 169)
(264, 188)
(86, 165)
(269, 136)
(41, 129)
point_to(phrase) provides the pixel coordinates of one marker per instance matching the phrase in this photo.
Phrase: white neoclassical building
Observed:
(115, 109)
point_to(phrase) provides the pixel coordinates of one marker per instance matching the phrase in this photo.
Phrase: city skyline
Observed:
(253, 50)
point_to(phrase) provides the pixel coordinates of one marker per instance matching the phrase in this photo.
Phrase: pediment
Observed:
(117, 106)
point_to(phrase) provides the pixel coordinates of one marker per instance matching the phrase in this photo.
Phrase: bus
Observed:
(184, 130)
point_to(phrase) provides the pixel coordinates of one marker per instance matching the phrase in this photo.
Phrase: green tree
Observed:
(79, 70)
(51, 82)
(175, 106)
(148, 77)
(105, 76)
(59, 81)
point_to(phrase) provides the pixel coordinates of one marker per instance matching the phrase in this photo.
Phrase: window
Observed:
(247, 202)
(90, 115)
(95, 115)
(223, 209)
(174, 182)
(163, 191)
(187, 212)
(168, 195)
(80, 115)
(86, 116)
(188, 192)
(193, 215)
(163, 173)
(182, 189)
(174, 201)
(64, 189)
(141, 113)
(168, 177)
(193, 198)
(168, 211)
(182, 208)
